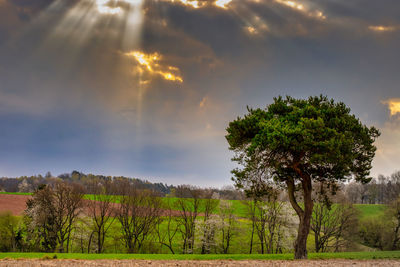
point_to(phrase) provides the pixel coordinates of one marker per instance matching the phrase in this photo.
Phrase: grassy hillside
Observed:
(370, 210)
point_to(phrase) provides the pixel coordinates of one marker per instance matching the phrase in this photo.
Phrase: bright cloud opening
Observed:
(111, 7)
(222, 3)
(318, 14)
(393, 105)
(199, 4)
(151, 64)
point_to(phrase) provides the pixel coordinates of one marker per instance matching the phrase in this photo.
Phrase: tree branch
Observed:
(292, 198)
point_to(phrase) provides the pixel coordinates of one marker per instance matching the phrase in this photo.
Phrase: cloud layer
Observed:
(147, 87)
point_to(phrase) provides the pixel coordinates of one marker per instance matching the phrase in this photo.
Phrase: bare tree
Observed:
(167, 234)
(228, 224)
(269, 221)
(101, 210)
(138, 213)
(251, 206)
(275, 222)
(323, 224)
(347, 226)
(67, 203)
(332, 224)
(188, 205)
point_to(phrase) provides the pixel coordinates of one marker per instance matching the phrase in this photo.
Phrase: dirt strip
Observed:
(226, 263)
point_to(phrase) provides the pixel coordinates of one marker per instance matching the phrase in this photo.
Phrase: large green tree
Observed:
(296, 142)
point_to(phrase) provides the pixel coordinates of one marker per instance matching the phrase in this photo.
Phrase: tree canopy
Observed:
(295, 142)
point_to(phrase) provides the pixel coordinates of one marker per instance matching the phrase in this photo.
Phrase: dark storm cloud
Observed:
(72, 98)
(374, 12)
(26, 9)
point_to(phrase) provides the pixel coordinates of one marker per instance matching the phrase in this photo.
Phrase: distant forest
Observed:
(380, 190)
(29, 184)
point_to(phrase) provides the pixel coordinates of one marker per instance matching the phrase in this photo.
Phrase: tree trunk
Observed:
(228, 238)
(300, 248)
(90, 242)
(252, 237)
(61, 248)
(300, 245)
(253, 225)
(316, 239)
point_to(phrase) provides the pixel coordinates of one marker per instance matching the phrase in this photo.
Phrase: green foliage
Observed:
(300, 141)
(9, 232)
(375, 232)
(313, 136)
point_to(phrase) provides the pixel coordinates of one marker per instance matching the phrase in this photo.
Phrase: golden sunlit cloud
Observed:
(302, 8)
(393, 105)
(199, 4)
(190, 3)
(194, 3)
(150, 64)
(251, 30)
(381, 28)
(222, 3)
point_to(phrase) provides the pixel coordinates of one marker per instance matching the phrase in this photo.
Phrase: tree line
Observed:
(380, 190)
(28, 184)
(122, 218)
(58, 218)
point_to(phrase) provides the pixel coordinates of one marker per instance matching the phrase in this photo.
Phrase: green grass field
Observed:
(370, 210)
(342, 255)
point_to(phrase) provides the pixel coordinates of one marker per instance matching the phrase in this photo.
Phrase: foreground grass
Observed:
(341, 255)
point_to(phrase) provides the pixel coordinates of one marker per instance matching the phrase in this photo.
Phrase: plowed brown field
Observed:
(16, 204)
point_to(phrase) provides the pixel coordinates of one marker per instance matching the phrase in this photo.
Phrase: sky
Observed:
(146, 88)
